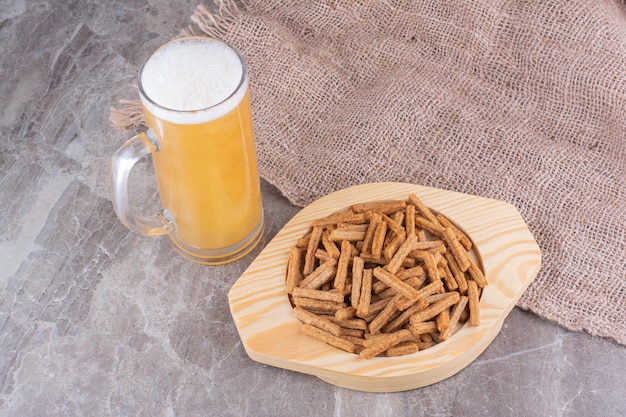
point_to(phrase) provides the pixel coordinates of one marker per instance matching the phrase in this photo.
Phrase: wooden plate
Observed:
(271, 334)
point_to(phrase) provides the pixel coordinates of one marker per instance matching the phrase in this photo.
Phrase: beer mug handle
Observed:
(123, 160)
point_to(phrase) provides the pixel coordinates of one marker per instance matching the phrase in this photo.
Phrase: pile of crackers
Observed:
(384, 279)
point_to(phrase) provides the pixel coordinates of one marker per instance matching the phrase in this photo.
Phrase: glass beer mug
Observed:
(196, 103)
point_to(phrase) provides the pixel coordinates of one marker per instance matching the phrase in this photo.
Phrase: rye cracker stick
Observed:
(357, 277)
(430, 263)
(405, 348)
(371, 259)
(403, 251)
(343, 217)
(388, 238)
(435, 298)
(409, 220)
(394, 243)
(358, 324)
(430, 227)
(368, 339)
(476, 274)
(465, 241)
(317, 305)
(443, 320)
(303, 242)
(346, 234)
(381, 207)
(448, 277)
(420, 254)
(314, 320)
(398, 217)
(320, 276)
(345, 313)
(314, 242)
(352, 227)
(342, 265)
(457, 310)
(381, 344)
(423, 209)
(333, 296)
(434, 252)
(330, 246)
(373, 336)
(458, 251)
(397, 284)
(393, 225)
(326, 337)
(472, 295)
(379, 239)
(382, 290)
(404, 317)
(319, 312)
(322, 256)
(416, 282)
(405, 303)
(354, 251)
(359, 342)
(427, 337)
(384, 316)
(429, 244)
(423, 293)
(433, 310)
(425, 327)
(459, 276)
(347, 290)
(415, 338)
(374, 220)
(376, 307)
(362, 310)
(416, 271)
(464, 316)
(294, 274)
(371, 316)
(436, 337)
(425, 345)
(438, 251)
(351, 332)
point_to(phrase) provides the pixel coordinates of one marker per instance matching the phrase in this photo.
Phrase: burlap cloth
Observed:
(519, 101)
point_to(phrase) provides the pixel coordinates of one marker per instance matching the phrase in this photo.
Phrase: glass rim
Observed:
(242, 81)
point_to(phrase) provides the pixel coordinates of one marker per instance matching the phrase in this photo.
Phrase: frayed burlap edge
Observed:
(128, 116)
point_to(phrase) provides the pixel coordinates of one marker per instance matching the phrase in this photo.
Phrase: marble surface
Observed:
(97, 321)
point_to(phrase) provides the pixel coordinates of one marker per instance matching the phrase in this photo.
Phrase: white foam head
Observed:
(192, 80)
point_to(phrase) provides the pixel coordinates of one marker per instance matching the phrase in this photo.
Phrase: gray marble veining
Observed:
(97, 321)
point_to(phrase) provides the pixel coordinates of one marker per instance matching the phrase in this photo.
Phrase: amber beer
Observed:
(195, 98)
